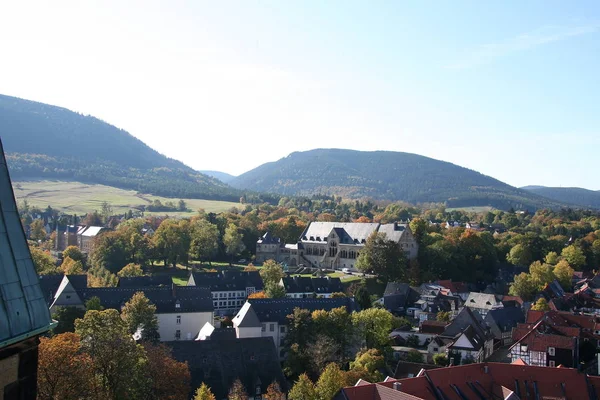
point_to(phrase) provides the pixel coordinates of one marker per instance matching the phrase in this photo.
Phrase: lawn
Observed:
(80, 198)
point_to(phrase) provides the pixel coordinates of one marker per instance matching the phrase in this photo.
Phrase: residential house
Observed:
(229, 287)
(301, 287)
(459, 289)
(502, 321)
(334, 245)
(481, 381)
(469, 336)
(219, 362)
(23, 312)
(482, 302)
(272, 315)
(398, 297)
(181, 310)
(475, 226)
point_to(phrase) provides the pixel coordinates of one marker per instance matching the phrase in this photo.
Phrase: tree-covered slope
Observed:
(222, 176)
(385, 175)
(578, 196)
(49, 142)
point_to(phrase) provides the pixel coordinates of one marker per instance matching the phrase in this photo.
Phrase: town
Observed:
(402, 303)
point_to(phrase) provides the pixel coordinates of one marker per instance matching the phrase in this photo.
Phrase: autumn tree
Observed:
(374, 326)
(321, 351)
(274, 392)
(204, 240)
(93, 303)
(440, 359)
(414, 356)
(169, 379)
(271, 274)
(258, 295)
(541, 305)
(523, 286)
(71, 267)
(140, 313)
(115, 358)
(551, 258)
(233, 241)
(331, 381)
(64, 371)
(66, 317)
(564, 274)
(275, 291)
(237, 391)
(43, 262)
(368, 363)
(37, 230)
(204, 393)
(172, 241)
(382, 257)
(443, 316)
(303, 389)
(250, 268)
(130, 270)
(574, 256)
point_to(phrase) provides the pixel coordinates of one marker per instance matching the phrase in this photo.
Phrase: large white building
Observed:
(333, 245)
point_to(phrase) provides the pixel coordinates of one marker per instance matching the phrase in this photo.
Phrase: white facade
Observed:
(182, 326)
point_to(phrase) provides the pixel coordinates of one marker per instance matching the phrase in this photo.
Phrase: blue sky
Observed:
(510, 88)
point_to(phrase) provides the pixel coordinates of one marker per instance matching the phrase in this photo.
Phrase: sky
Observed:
(510, 89)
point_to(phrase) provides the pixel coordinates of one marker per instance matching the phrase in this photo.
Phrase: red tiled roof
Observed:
(533, 316)
(455, 287)
(513, 298)
(540, 342)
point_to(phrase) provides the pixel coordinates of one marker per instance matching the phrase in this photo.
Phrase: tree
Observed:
(64, 372)
(38, 231)
(250, 267)
(204, 393)
(73, 253)
(412, 340)
(519, 255)
(564, 274)
(106, 211)
(443, 316)
(441, 360)
(93, 219)
(523, 286)
(66, 317)
(237, 391)
(140, 313)
(93, 303)
(271, 272)
(233, 241)
(551, 258)
(71, 267)
(414, 356)
(274, 392)
(170, 379)
(258, 295)
(321, 351)
(574, 256)
(181, 206)
(130, 270)
(43, 262)
(541, 305)
(172, 241)
(337, 295)
(116, 359)
(204, 240)
(362, 297)
(330, 382)
(303, 389)
(541, 274)
(382, 257)
(369, 363)
(374, 325)
(275, 291)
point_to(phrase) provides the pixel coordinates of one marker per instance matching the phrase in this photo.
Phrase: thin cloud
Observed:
(488, 52)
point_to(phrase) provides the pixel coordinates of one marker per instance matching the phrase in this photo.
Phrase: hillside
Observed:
(385, 175)
(49, 142)
(573, 195)
(222, 176)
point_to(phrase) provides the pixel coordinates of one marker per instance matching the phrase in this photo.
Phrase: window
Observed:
(551, 351)
(271, 327)
(551, 363)
(282, 329)
(68, 296)
(435, 349)
(178, 319)
(177, 304)
(177, 334)
(263, 328)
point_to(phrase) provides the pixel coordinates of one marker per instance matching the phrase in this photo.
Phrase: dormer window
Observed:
(551, 351)
(177, 304)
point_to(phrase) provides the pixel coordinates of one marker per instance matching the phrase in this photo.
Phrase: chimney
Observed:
(486, 369)
(397, 386)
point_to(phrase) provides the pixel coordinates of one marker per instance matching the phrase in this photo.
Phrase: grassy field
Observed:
(80, 198)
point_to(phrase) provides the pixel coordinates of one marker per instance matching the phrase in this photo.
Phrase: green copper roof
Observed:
(23, 309)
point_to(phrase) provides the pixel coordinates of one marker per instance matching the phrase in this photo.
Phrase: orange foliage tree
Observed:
(170, 379)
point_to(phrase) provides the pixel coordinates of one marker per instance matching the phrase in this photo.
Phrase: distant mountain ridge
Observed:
(572, 195)
(49, 142)
(222, 176)
(385, 175)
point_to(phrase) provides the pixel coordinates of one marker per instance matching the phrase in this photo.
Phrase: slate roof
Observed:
(354, 232)
(473, 336)
(145, 281)
(301, 284)
(481, 300)
(246, 317)
(189, 298)
(218, 363)
(277, 310)
(209, 332)
(404, 368)
(49, 285)
(227, 280)
(23, 308)
(91, 231)
(503, 320)
(267, 238)
(393, 231)
(465, 318)
(399, 295)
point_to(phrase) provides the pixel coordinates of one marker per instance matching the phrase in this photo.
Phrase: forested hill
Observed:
(578, 196)
(385, 175)
(222, 176)
(44, 141)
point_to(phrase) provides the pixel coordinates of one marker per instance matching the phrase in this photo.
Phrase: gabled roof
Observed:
(218, 363)
(466, 318)
(300, 284)
(481, 300)
(267, 238)
(49, 285)
(277, 310)
(246, 317)
(468, 339)
(145, 281)
(231, 279)
(503, 320)
(455, 287)
(352, 232)
(23, 308)
(91, 231)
